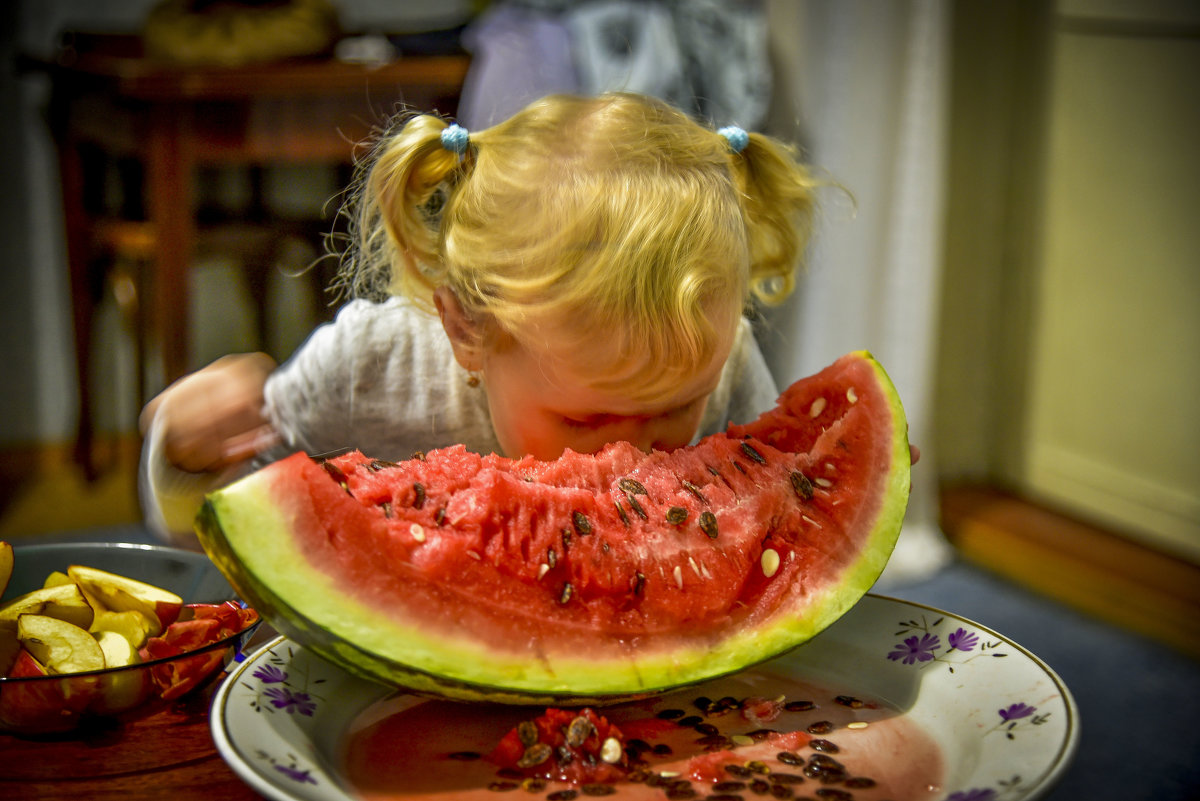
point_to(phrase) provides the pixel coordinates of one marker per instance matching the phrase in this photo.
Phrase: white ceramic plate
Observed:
(1005, 724)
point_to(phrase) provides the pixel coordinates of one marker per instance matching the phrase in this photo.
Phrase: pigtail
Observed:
(398, 196)
(778, 195)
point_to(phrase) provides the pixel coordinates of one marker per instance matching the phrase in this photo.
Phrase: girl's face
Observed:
(540, 404)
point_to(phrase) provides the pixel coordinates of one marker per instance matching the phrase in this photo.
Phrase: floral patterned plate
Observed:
(1004, 723)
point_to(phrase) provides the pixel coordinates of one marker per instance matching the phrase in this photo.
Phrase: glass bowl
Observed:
(57, 703)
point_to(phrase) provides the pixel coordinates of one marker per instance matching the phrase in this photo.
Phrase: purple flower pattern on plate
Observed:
(1016, 715)
(924, 646)
(284, 687)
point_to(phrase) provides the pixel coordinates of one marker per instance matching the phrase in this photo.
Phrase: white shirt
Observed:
(382, 378)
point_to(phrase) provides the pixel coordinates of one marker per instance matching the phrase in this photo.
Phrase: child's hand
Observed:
(213, 418)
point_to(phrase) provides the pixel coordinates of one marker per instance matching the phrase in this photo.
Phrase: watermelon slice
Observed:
(590, 578)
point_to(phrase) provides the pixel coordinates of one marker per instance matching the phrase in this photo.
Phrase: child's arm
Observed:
(200, 434)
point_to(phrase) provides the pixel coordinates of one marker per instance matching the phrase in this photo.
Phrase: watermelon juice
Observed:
(764, 736)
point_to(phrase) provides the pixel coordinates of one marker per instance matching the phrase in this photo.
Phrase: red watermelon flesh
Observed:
(615, 573)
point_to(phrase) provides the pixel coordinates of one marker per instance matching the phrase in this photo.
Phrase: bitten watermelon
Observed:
(588, 578)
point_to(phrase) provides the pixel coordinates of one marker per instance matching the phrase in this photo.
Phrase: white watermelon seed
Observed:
(770, 562)
(857, 724)
(822, 482)
(817, 407)
(851, 395)
(810, 521)
(417, 532)
(695, 568)
(611, 751)
(678, 572)
(543, 569)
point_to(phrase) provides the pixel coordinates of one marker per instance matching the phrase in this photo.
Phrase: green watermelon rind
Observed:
(330, 622)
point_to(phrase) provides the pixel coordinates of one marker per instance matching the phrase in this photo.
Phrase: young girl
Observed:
(572, 276)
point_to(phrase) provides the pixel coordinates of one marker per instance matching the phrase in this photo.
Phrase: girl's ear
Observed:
(466, 337)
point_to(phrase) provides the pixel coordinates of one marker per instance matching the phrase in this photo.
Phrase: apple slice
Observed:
(65, 602)
(9, 646)
(130, 624)
(6, 565)
(43, 706)
(118, 594)
(58, 645)
(123, 689)
(56, 579)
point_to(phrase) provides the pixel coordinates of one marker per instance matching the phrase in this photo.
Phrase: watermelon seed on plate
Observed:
(527, 732)
(578, 730)
(535, 754)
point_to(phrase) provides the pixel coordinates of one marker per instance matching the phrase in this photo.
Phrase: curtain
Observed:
(862, 87)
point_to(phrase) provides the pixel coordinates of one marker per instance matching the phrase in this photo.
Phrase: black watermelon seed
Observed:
(581, 523)
(718, 741)
(729, 786)
(502, 787)
(834, 794)
(621, 512)
(741, 771)
(680, 793)
(419, 495)
(676, 515)
(825, 762)
(670, 714)
(801, 485)
(690, 721)
(754, 455)
(637, 507)
(632, 486)
(760, 787)
(706, 728)
(859, 782)
(387, 508)
(850, 701)
(708, 524)
(696, 491)
(799, 706)
(820, 727)
(597, 789)
(824, 746)
(781, 791)
(786, 778)
(739, 466)
(567, 589)
(789, 758)
(662, 749)
(563, 795)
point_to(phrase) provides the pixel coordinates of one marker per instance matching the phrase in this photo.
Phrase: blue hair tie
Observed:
(455, 138)
(737, 138)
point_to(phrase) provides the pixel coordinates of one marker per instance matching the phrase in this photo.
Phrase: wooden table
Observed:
(107, 97)
(170, 755)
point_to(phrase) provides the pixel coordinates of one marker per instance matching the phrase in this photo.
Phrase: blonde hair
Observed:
(615, 216)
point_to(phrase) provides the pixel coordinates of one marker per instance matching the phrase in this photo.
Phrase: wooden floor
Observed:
(1095, 571)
